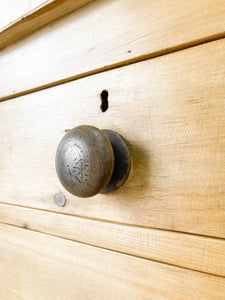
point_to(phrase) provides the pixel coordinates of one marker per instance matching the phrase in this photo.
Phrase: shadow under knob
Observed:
(90, 161)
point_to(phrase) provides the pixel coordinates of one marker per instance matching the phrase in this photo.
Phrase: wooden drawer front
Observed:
(189, 251)
(171, 111)
(46, 267)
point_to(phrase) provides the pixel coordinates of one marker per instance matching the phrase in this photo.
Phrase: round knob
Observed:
(90, 161)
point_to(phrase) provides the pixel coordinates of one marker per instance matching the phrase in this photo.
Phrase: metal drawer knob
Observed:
(90, 161)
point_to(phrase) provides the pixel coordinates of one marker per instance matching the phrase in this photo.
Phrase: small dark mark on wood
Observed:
(25, 226)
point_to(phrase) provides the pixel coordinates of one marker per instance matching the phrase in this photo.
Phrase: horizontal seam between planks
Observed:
(120, 64)
(115, 251)
(114, 222)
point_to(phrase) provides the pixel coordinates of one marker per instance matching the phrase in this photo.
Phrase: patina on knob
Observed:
(90, 161)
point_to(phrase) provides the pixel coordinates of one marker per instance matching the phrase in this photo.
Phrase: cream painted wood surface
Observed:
(171, 111)
(193, 252)
(36, 18)
(46, 267)
(101, 36)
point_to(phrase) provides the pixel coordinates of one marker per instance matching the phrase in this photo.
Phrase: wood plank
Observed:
(193, 252)
(44, 266)
(171, 111)
(89, 41)
(37, 18)
(7, 293)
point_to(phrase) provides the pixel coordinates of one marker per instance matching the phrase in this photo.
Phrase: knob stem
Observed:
(122, 161)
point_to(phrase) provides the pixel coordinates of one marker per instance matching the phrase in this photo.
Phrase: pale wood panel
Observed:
(45, 267)
(171, 111)
(103, 35)
(8, 294)
(34, 19)
(185, 250)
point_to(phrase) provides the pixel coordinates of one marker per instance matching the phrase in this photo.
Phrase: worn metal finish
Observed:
(60, 199)
(122, 161)
(85, 161)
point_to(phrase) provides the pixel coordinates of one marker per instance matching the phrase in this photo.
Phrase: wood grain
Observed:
(37, 18)
(89, 41)
(170, 110)
(192, 252)
(63, 269)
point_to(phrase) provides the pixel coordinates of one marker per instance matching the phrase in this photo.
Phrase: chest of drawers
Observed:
(160, 236)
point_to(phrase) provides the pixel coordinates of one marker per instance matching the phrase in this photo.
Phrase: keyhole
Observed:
(104, 99)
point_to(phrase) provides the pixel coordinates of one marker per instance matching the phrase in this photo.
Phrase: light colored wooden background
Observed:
(46, 267)
(40, 16)
(171, 111)
(192, 252)
(89, 41)
(162, 235)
